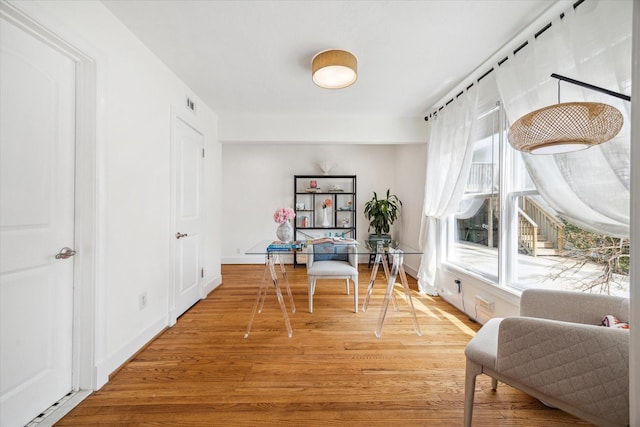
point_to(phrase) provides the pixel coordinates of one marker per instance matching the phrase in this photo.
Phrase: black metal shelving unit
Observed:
(341, 190)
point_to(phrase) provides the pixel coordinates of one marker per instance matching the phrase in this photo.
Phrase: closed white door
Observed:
(188, 162)
(37, 146)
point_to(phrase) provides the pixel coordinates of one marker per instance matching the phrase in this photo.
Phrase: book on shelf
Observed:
(313, 190)
(336, 240)
(278, 246)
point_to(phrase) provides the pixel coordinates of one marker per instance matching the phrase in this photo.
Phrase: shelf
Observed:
(312, 202)
(328, 193)
(325, 228)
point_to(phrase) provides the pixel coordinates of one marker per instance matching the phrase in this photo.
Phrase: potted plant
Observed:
(381, 213)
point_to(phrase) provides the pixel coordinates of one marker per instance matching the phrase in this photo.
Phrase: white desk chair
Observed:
(332, 261)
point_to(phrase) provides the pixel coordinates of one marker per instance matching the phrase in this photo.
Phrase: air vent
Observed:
(191, 105)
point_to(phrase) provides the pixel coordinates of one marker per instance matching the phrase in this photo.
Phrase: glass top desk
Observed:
(389, 253)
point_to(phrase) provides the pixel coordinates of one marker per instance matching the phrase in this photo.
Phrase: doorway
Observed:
(187, 181)
(47, 252)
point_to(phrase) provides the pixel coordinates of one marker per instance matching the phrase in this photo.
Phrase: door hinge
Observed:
(203, 153)
(202, 273)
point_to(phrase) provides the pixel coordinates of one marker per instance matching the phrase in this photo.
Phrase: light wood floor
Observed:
(333, 371)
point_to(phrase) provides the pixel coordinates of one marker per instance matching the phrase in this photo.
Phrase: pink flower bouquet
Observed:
(326, 203)
(283, 214)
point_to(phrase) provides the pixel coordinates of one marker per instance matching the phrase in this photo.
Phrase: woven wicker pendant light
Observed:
(334, 69)
(568, 126)
(561, 128)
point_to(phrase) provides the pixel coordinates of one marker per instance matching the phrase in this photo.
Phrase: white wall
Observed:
(409, 172)
(136, 94)
(258, 178)
(277, 129)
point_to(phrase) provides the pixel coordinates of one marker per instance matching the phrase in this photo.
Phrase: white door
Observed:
(37, 146)
(188, 162)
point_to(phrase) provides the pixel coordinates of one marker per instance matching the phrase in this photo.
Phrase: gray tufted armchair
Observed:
(557, 352)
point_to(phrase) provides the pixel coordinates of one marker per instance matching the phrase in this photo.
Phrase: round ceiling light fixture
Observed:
(334, 69)
(565, 127)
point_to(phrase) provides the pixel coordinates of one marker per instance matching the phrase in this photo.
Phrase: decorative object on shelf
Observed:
(325, 216)
(282, 216)
(313, 184)
(326, 167)
(382, 213)
(567, 126)
(334, 69)
(336, 189)
(300, 206)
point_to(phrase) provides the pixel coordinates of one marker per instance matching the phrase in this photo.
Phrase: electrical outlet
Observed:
(142, 301)
(485, 303)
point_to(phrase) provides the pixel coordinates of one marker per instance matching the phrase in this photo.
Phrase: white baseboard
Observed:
(109, 364)
(112, 362)
(210, 285)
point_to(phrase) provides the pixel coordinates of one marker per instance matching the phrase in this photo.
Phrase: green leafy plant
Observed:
(382, 213)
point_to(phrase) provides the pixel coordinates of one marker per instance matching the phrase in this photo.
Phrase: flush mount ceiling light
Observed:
(569, 126)
(334, 69)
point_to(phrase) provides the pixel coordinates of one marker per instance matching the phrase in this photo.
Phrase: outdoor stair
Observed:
(539, 232)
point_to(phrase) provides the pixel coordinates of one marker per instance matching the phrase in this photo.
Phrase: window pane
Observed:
(558, 255)
(550, 252)
(474, 236)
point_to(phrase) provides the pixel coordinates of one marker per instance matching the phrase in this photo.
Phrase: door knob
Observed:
(179, 235)
(65, 253)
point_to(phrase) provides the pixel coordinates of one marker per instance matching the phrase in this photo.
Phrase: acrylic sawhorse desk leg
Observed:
(396, 269)
(270, 261)
(380, 258)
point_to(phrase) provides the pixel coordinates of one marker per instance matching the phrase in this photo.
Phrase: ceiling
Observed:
(253, 57)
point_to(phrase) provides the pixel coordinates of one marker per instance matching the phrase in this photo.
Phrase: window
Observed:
(505, 231)
(558, 221)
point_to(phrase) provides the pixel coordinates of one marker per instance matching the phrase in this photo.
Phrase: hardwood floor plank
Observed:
(333, 371)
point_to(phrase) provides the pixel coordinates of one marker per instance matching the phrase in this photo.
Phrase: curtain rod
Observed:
(592, 87)
(537, 33)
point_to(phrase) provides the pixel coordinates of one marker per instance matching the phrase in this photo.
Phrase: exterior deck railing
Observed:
(547, 226)
(527, 233)
(535, 223)
(480, 178)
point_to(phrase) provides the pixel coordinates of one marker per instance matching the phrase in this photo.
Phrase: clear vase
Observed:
(325, 218)
(285, 232)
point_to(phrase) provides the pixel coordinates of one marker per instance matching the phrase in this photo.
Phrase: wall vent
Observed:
(191, 105)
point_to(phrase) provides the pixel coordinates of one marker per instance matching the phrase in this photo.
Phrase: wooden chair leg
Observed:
(472, 371)
(355, 293)
(311, 290)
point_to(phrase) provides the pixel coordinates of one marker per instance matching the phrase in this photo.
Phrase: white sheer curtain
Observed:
(449, 154)
(590, 188)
